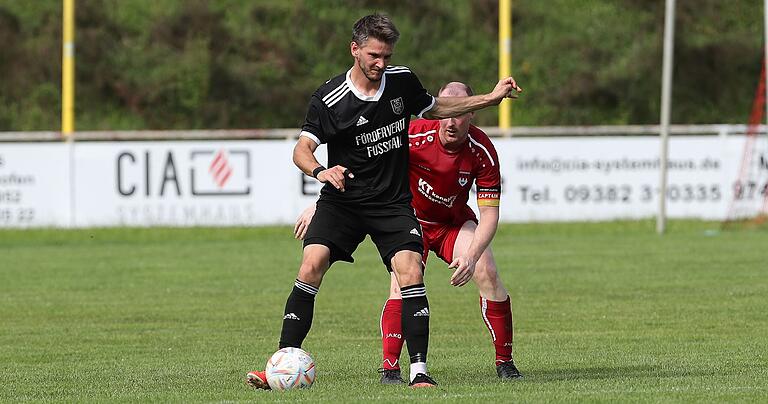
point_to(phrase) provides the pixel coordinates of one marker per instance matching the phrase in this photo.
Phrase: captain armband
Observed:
(488, 196)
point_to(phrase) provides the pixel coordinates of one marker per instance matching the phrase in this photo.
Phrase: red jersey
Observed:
(440, 180)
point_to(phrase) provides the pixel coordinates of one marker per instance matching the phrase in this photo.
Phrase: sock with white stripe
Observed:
(497, 317)
(415, 318)
(297, 318)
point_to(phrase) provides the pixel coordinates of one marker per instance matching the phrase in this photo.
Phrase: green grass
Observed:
(603, 312)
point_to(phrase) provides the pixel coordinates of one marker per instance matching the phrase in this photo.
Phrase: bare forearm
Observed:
(448, 107)
(486, 229)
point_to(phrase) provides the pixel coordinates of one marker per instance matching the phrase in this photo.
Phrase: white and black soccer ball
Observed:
(290, 368)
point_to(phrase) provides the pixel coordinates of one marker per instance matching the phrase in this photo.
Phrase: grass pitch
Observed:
(603, 312)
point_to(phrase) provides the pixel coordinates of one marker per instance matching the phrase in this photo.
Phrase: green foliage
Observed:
(174, 64)
(604, 312)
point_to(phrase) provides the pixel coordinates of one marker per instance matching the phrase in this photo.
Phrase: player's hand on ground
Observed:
(302, 222)
(336, 175)
(463, 269)
(506, 88)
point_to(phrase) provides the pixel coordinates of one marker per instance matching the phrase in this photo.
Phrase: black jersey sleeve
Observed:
(319, 121)
(419, 100)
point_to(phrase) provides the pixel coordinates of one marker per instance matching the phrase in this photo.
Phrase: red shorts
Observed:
(440, 238)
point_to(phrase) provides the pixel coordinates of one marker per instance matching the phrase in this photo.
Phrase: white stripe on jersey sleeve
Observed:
(335, 91)
(476, 143)
(397, 69)
(432, 104)
(337, 98)
(309, 136)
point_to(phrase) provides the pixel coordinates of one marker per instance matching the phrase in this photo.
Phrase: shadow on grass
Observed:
(619, 372)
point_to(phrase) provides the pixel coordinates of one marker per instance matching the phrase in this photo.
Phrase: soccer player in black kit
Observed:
(363, 116)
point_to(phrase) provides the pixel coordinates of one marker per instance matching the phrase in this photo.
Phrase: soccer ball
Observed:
(290, 368)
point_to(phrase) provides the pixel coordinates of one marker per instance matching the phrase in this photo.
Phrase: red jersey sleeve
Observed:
(488, 174)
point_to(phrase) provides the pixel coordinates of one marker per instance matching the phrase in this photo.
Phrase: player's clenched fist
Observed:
(336, 175)
(506, 88)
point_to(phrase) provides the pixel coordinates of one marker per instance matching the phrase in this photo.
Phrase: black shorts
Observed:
(342, 228)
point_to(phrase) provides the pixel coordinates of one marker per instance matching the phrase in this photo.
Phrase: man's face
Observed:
(372, 57)
(454, 131)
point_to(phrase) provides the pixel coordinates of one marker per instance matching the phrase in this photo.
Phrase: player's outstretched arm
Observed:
(448, 107)
(466, 260)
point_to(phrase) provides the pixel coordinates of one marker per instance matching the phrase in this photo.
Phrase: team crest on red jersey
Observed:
(397, 105)
(463, 177)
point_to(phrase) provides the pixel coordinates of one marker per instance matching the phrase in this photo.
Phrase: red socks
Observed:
(392, 333)
(498, 318)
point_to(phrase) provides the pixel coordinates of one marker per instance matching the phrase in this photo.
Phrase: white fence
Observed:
(204, 178)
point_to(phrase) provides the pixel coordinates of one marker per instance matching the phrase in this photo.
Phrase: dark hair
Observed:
(467, 88)
(377, 26)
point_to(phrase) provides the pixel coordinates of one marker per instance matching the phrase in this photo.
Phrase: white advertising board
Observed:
(606, 178)
(201, 183)
(35, 185)
(244, 183)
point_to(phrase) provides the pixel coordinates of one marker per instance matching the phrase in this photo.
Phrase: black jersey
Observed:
(368, 134)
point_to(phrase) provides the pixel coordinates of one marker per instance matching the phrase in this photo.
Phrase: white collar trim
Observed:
(362, 96)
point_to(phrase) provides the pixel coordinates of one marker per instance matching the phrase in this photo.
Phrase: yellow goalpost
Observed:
(68, 70)
(505, 59)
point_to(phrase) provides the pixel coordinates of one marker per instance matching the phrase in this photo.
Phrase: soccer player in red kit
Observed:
(446, 158)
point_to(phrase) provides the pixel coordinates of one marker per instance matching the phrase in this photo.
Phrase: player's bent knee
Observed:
(314, 264)
(486, 274)
(312, 268)
(311, 274)
(409, 277)
(407, 266)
